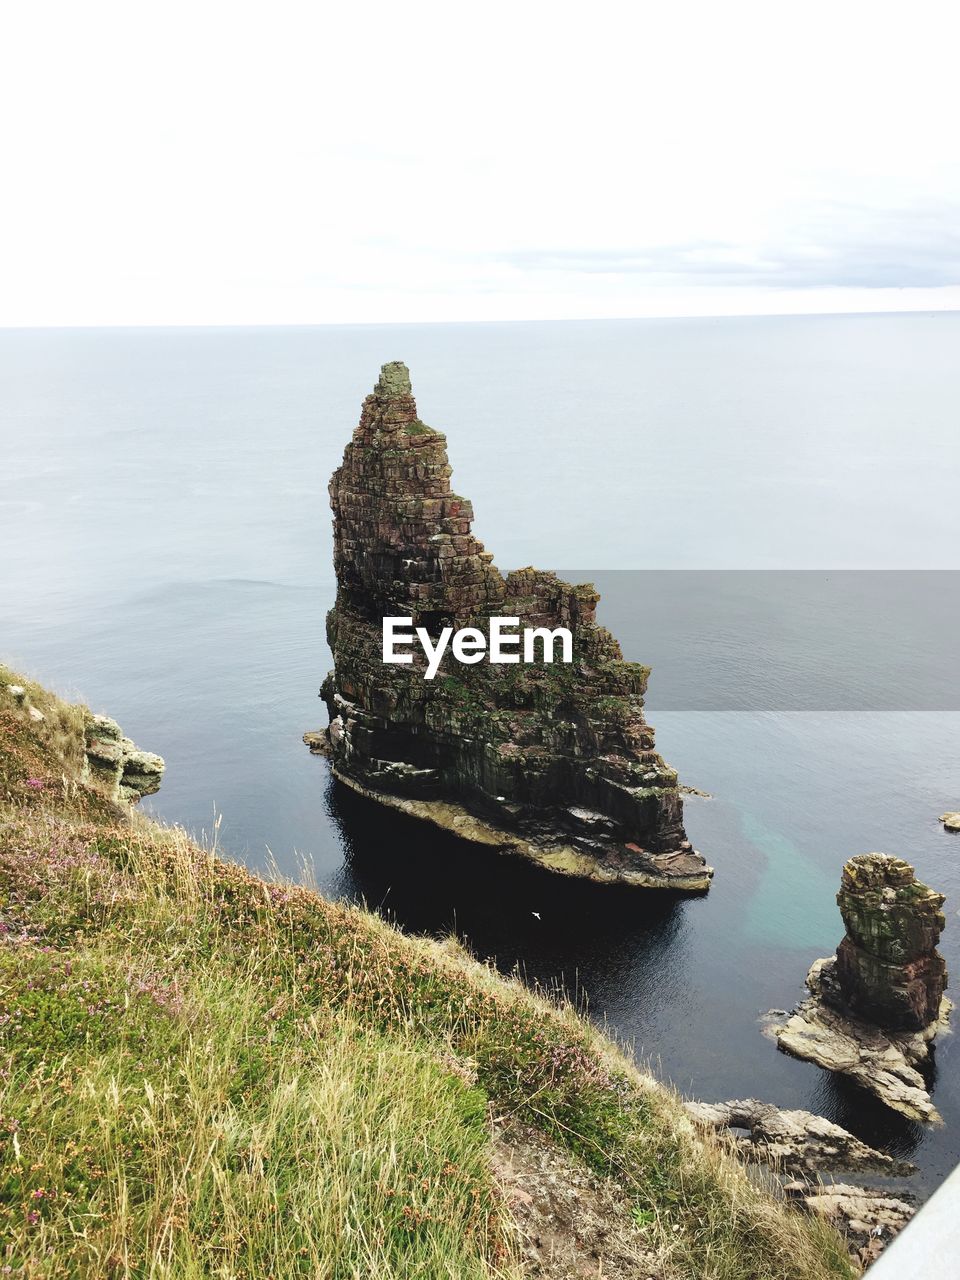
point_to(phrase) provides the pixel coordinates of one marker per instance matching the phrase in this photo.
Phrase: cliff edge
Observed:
(218, 1075)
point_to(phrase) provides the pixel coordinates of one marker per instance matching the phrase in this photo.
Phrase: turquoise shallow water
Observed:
(168, 558)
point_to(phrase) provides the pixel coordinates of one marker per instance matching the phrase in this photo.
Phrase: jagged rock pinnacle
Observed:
(394, 381)
(553, 762)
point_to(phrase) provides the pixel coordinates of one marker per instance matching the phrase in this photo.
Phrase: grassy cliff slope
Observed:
(204, 1074)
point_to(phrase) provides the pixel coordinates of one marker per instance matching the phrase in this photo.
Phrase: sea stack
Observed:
(876, 1006)
(887, 968)
(550, 761)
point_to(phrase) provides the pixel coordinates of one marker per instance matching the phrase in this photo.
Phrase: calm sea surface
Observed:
(167, 557)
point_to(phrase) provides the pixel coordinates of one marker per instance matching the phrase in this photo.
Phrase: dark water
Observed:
(166, 556)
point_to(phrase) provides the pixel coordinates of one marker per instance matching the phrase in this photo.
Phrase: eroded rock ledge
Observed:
(111, 762)
(552, 762)
(795, 1141)
(876, 1006)
(799, 1147)
(116, 764)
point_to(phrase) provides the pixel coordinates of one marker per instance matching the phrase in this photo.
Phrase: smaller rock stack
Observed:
(875, 1007)
(887, 969)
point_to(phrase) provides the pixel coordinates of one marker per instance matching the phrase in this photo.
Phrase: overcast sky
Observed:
(288, 162)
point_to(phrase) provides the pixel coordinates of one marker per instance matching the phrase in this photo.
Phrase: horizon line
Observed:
(359, 324)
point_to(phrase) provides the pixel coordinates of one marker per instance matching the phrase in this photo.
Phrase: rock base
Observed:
(683, 871)
(884, 1062)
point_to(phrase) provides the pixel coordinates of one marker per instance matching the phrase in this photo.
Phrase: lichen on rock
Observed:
(119, 769)
(888, 970)
(554, 762)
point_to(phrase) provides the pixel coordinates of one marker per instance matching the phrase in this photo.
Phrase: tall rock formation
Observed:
(876, 1006)
(551, 761)
(887, 969)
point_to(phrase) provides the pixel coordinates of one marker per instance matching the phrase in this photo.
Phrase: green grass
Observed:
(203, 1074)
(174, 1131)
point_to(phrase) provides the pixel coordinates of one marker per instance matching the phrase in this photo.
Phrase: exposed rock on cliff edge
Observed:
(554, 762)
(108, 761)
(794, 1141)
(123, 772)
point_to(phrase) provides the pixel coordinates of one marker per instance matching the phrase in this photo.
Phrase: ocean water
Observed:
(769, 509)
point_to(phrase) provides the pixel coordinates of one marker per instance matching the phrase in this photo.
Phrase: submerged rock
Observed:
(876, 1006)
(552, 761)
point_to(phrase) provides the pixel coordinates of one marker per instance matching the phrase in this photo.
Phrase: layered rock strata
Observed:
(876, 1006)
(796, 1142)
(113, 763)
(868, 1217)
(551, 761)
(888, 969)
(117, 766)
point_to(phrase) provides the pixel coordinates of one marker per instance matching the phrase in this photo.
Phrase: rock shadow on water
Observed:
(506, 909)
(849, 1105)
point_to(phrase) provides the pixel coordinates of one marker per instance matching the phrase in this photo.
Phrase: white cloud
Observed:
(301, 162)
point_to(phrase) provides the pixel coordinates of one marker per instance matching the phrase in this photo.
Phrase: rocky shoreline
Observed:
(798, 1149)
